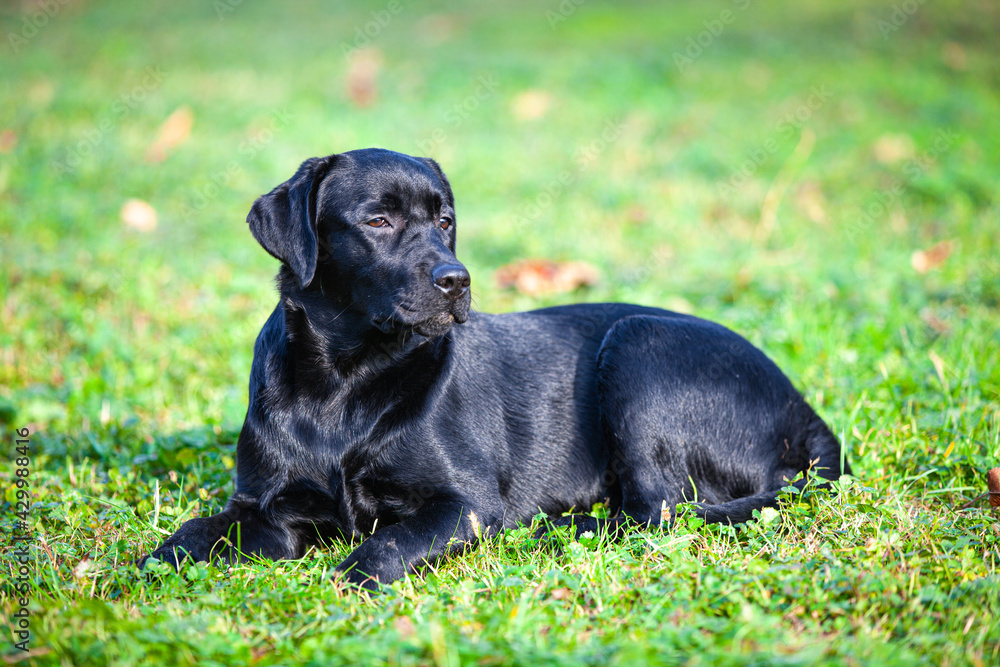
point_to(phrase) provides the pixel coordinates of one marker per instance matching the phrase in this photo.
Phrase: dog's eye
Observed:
(377, 222)
(446, 222)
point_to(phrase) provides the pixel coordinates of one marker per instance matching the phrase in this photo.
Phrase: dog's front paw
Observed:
(354, 578)
(373, 565)
(173, 555)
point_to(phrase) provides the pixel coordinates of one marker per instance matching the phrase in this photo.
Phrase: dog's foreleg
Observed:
(239, 531)
(436, 530)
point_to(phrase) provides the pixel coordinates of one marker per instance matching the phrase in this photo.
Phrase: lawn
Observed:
(821, 177)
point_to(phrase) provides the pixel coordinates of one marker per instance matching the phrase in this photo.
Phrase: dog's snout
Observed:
(452, 279)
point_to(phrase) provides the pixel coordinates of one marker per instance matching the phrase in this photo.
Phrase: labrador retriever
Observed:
(382, 408)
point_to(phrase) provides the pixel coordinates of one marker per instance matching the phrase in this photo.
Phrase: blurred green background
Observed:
(819, 176)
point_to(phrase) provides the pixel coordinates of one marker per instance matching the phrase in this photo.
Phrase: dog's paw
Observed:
(165, 559)
(373, 565)
(358, 581)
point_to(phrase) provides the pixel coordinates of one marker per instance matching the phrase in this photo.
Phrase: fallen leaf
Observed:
(531, 104)
(925, 260)
(174, 132)
(139, 215)
(362, 72)
(893, 148)
(542, 276)
(8, 141)
(993, 486)
(561, 594)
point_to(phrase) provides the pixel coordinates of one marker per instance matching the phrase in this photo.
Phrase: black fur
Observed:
(372, 415)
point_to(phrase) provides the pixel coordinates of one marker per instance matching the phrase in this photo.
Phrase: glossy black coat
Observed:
(381, 408)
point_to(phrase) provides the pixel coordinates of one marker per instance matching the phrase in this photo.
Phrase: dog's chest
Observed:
(376, 494)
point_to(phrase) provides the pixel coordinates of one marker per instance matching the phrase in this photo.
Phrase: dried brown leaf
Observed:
(993, 486)
(925, 260)
(561, 594)
(8, 140)
(362, 76)
(174, 131)
(542, 276)
(664, 513)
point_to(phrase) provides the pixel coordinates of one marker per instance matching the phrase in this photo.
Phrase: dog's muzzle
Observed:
(452, 279)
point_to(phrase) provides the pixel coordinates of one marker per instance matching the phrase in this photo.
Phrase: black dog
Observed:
(372, 415)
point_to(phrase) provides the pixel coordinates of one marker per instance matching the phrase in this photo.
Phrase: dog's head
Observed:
(375, 230)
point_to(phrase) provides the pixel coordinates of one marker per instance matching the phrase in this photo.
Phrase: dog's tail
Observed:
(825, 461)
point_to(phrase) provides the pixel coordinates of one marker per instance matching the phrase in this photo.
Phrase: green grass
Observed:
(127, 353)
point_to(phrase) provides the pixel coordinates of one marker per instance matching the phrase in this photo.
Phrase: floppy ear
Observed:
(436, 168)
(284, 220)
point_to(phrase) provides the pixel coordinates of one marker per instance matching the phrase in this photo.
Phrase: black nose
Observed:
(452, 279)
